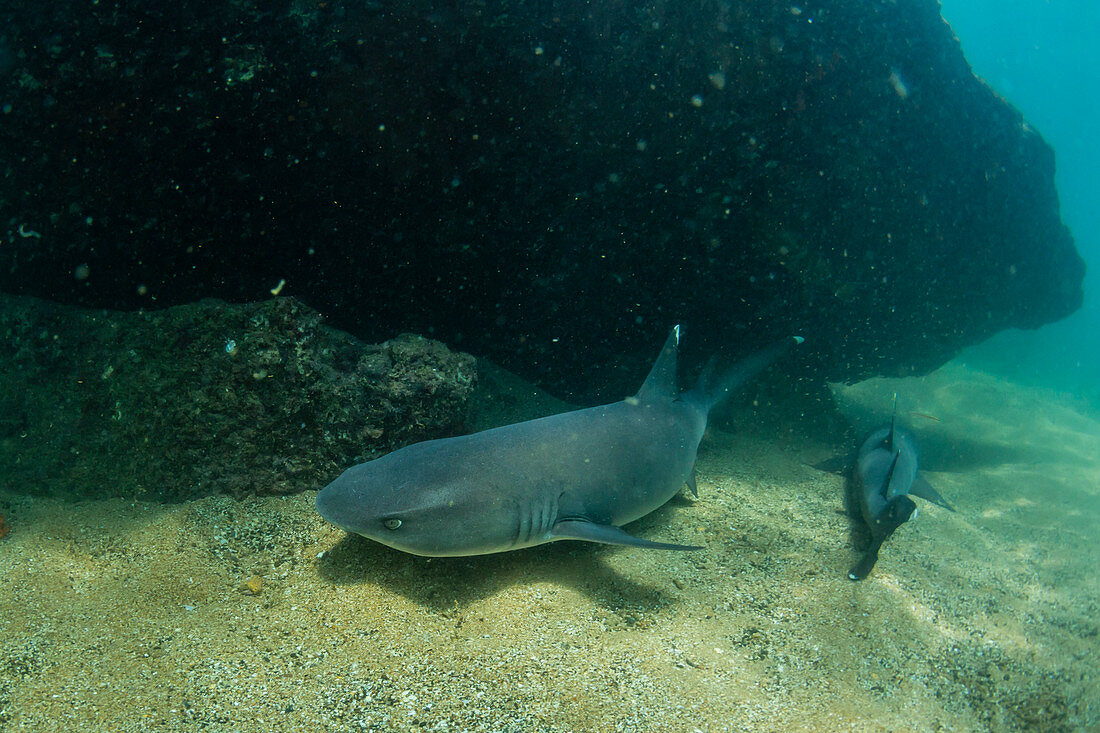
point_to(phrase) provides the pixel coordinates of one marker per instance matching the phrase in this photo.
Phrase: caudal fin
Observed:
(709, 390)
(866, 563)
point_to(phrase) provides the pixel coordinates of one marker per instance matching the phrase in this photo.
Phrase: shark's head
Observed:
(383, 501)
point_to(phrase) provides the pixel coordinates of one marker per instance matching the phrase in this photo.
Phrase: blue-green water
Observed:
(1041, 56)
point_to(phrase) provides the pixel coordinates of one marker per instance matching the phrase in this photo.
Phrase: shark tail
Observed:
(712, 388)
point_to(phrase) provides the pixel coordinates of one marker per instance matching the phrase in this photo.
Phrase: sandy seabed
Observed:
(132, 616)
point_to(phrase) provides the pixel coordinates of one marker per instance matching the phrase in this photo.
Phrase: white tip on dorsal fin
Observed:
(661, 382)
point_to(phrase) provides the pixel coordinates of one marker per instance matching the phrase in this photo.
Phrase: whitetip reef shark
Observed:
(577, 475)
(884, 477)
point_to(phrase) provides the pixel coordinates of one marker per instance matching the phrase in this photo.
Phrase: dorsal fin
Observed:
(661, 382)
(885, 491)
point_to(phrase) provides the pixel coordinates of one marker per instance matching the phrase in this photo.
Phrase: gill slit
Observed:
(535, 519)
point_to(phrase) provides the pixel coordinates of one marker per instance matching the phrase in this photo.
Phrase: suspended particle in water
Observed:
(899, 86)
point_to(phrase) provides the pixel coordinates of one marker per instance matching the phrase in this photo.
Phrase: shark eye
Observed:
(392, 523)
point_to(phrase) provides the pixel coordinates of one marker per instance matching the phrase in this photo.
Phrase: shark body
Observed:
(883, 479)
(577, 475)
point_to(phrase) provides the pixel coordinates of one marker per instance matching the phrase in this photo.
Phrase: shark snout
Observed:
(337, 505)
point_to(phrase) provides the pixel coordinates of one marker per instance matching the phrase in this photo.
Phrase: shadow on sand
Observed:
(443, 584)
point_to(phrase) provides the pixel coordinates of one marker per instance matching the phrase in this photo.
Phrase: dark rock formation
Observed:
(551, 184)
(209, 398)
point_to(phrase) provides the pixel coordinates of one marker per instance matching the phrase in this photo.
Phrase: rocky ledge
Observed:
(209, 399)
(550, 184)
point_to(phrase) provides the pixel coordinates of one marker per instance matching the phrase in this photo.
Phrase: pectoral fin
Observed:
(579, 529)
(840, 465)
(924, 490)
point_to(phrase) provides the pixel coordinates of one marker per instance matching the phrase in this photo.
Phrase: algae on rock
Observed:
(210, 398)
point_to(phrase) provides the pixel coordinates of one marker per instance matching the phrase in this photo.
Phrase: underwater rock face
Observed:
(209, 398)
(549, 184)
